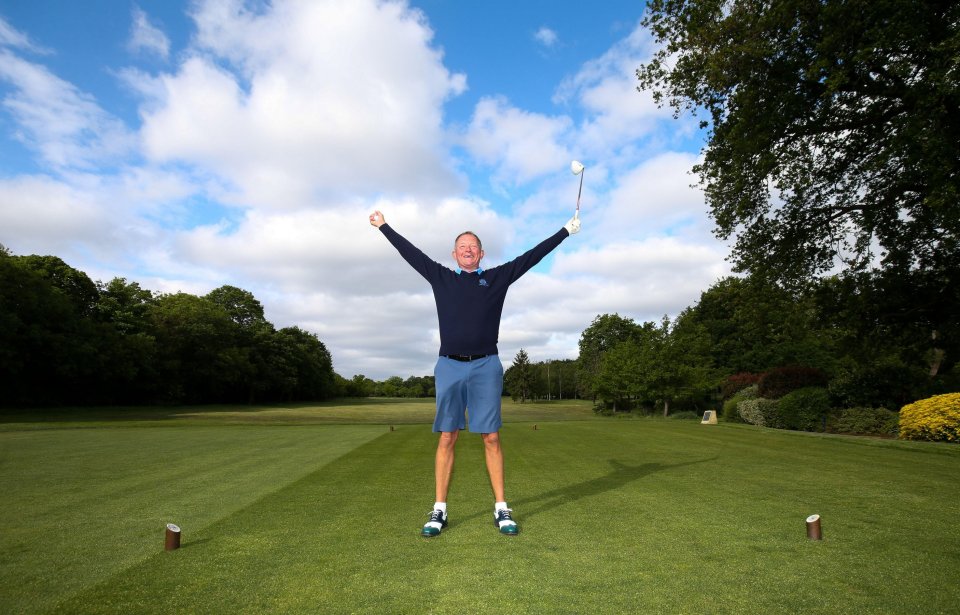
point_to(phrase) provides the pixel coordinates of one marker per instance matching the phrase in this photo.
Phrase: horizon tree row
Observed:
(876, 342)
(65, 340)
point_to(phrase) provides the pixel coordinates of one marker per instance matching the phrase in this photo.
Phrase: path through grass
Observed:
(617, 516)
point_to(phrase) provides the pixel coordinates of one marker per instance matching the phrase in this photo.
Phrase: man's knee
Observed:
(447, 439)
(492, 440)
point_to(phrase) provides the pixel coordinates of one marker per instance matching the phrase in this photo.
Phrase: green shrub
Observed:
(779, 381)
(886, 383)
(729, 411)
(737, 382)
(864, 421)
(759, 411)
(804, 409)
(934, 418)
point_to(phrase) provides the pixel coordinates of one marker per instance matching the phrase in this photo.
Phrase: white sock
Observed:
(441, 506)
(499, 506)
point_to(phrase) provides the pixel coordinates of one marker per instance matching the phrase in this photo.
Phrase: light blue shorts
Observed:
(475, 385)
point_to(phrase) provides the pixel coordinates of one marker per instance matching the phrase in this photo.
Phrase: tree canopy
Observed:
(832, 127)
(66, 340)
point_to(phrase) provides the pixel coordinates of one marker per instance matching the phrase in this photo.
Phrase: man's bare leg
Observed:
(494, 456)
(443, 467)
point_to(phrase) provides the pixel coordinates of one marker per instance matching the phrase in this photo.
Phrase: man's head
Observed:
(467, 251)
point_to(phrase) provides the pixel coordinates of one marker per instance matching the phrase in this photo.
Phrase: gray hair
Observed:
(479, 243)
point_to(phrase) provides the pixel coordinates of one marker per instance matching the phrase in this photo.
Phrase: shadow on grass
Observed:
(619, 476)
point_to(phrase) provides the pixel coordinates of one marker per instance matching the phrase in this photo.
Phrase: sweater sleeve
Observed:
(422, 263)
(523, 263)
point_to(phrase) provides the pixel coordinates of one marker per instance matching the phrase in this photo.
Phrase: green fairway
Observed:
(283, 513)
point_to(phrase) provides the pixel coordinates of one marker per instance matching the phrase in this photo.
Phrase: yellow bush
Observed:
(934, 418)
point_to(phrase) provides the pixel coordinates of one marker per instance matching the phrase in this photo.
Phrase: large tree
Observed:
(604, 333)
(832, 127)
(519, 378)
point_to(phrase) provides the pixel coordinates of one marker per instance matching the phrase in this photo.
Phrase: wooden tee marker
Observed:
(172, 537)
(709, 418)
(813, 528)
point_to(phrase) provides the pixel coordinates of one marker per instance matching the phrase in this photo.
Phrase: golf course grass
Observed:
(317, 509)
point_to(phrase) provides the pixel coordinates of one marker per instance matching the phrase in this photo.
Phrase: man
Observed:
(468, 372)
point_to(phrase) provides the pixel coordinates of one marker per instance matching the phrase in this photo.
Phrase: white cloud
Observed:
(520, 144)
(313, 101)
(618, 115)
(656, 198)
(11, 37)
(46, 215)
(546, 36)
(63, 124)
(146, 37)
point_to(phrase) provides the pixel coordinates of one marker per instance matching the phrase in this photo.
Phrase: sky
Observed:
(185, 145)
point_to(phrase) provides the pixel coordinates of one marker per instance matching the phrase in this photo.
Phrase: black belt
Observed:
(465, 358)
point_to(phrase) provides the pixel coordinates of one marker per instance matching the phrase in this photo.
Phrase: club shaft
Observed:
(580, 190)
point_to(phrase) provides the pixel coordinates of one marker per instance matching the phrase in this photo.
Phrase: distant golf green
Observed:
(317, 509)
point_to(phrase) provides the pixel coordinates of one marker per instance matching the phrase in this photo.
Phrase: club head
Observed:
(576, 168)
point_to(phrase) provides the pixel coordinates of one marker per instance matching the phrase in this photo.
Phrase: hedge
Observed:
(760, 411)
(935, 418)
(804, 409)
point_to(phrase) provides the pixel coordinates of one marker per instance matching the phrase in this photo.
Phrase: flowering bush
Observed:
(761, 412)
(934, 418)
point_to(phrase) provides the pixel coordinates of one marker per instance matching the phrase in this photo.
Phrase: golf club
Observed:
(577, 169)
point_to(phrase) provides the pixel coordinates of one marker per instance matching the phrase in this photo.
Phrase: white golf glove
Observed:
(573, 226)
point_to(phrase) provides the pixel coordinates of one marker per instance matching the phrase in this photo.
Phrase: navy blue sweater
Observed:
(469, 305)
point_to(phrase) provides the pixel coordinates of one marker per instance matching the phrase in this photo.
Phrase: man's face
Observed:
(467, 253)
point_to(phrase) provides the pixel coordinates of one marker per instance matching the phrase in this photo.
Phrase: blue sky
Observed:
(187, 145)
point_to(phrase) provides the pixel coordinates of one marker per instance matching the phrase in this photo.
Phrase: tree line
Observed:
(874, 341)
(880, 340)
(65, 340)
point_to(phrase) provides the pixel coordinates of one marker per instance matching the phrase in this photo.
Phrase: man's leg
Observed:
(494, 456)
(443, 467)
(502, 516)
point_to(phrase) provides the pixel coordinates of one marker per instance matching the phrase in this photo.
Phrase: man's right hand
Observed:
(376, 219)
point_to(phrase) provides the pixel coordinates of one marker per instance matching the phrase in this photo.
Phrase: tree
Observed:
(604, 333)
(124, 305)
(311, 363)
(754, 325)
(392, 386)
(197, 341)
(833, 127)
(38, 326)
(617, 382)
(241, 305)
(73, 283)
(519, 377)
(684, 368)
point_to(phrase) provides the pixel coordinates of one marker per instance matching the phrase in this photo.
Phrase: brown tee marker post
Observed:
(813, 528)
(172, 537)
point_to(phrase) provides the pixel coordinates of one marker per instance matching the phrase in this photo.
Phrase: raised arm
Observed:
(422, 263)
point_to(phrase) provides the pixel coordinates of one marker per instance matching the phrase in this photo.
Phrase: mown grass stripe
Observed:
(616, 516)
(81, 505)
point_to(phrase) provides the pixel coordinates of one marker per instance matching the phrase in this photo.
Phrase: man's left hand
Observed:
(573, 226)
